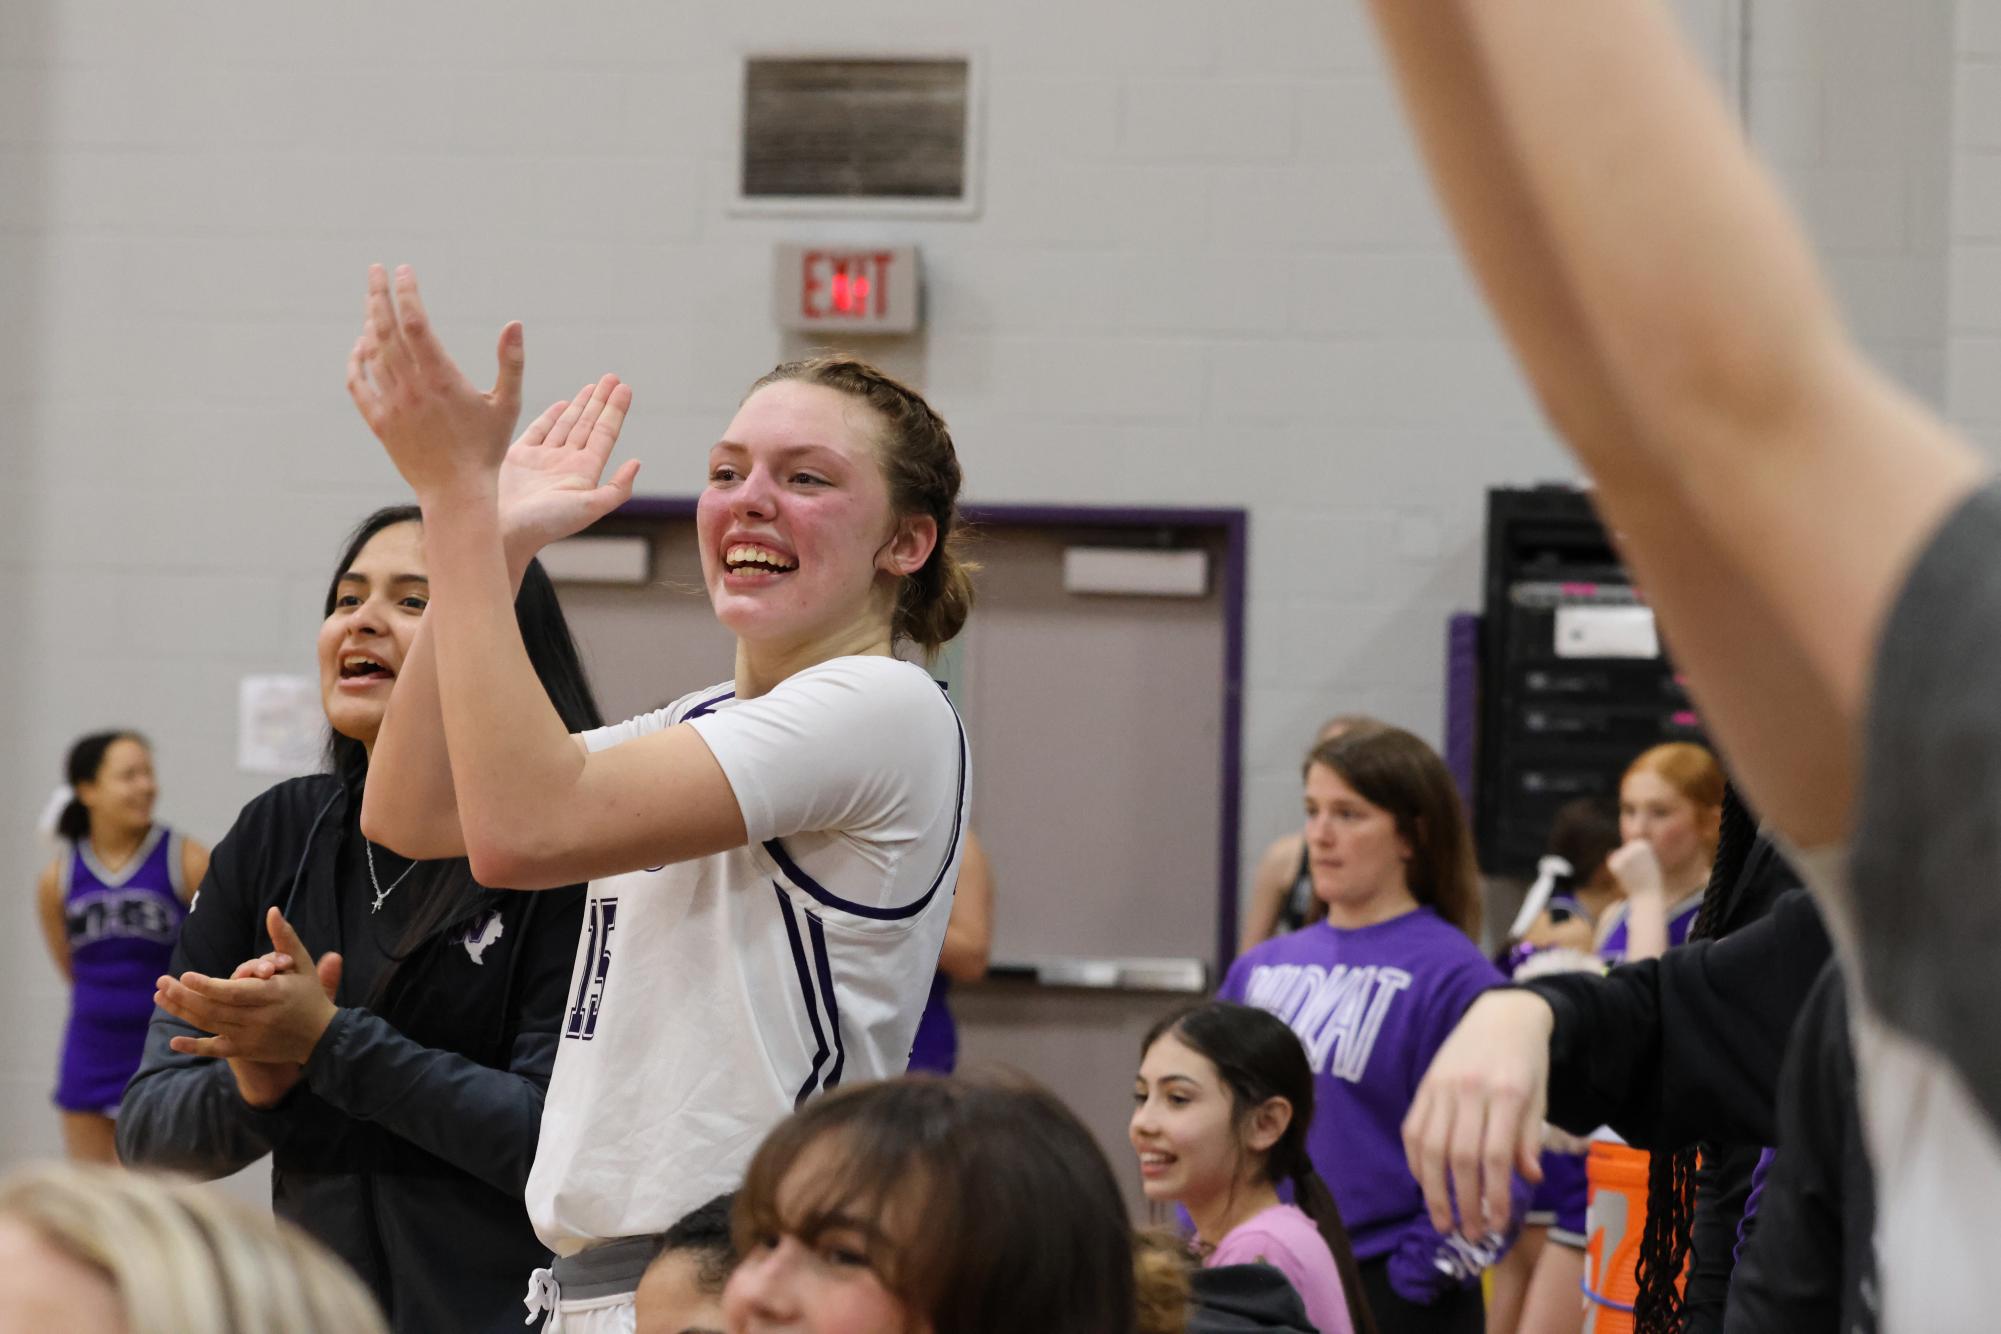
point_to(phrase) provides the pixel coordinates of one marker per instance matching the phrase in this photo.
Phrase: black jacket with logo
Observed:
(407, 1143)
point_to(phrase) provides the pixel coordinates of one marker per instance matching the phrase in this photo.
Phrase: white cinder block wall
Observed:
(1207, 271)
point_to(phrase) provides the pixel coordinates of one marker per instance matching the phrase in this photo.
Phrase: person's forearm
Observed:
(1646, 926)
(410, 805)
(1688, 266)
(1603, 1050)
(184, 1113)
(964, 955)
(511, 758)
(479, 1119)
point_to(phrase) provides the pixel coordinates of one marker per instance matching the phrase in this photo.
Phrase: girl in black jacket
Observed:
(396, 1080)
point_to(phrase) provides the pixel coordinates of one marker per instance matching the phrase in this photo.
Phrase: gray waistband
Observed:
(603, 1271)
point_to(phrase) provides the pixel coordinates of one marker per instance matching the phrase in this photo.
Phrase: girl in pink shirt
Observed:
(1222, 1103)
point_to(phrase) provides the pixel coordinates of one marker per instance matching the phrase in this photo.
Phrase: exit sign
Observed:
(856, 289)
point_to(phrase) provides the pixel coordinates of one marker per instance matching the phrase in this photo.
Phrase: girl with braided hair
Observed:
(1695, 1198)
(772, 858)
(1222, 1103)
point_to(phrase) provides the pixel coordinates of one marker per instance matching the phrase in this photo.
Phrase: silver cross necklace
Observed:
(380, 893)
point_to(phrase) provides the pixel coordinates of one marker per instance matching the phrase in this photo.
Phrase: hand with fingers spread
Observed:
(550, 483)
(445, 436)
(1477, 1116)
(272, 1010)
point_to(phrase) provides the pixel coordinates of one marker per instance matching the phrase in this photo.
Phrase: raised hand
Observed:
(265, 1012)
(444, 435)
(549, 481)
(1478, 1112)
(1637, 868)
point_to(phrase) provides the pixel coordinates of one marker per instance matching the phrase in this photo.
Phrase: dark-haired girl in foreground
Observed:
(1224, 1099)
(398, 1083)
(111, 904)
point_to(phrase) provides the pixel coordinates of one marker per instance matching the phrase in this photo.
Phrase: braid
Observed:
(921, 466)
(1316, 1201)
(1664, 1246)
(1736, 832)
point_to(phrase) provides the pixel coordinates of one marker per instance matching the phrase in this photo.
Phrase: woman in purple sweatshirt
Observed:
(1372, 991)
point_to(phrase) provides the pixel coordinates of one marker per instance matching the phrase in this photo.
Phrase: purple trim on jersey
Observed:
(818, 932)
(797, 874)
(788, 914)
(707, 706)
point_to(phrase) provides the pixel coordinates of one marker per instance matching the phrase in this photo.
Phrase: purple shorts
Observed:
(1558, 1203)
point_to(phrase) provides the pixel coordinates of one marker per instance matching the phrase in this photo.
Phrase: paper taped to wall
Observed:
(279, 725)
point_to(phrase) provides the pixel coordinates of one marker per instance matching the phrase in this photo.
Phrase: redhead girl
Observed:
(1670, 807)
(771, 857)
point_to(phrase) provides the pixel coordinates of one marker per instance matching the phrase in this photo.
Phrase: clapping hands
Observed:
(265, 1018)
(449, 439)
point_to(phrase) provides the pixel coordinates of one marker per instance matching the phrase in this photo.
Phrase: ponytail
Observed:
(73, 825)
(82, 765)
(1670, 1221)
(1316, 1201)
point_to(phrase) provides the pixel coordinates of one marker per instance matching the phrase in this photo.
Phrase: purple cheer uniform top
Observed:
(1371, 1005)
(121, 928)
(1680, 918)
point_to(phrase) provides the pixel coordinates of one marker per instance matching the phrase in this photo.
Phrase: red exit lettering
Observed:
(844, 285)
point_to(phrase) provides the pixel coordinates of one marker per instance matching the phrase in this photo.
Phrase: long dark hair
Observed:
(84, 762)
(1014, 1219)
(446, 892)
(1258, 1058)
(1396, 770)
(1664, 1245)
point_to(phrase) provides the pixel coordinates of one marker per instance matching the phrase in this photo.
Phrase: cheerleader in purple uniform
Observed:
(1536, 1288)
(111, 906)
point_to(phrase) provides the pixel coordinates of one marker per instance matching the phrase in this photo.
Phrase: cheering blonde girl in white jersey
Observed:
(772, 858)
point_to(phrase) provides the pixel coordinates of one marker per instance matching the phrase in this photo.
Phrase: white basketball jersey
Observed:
(712, 997)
